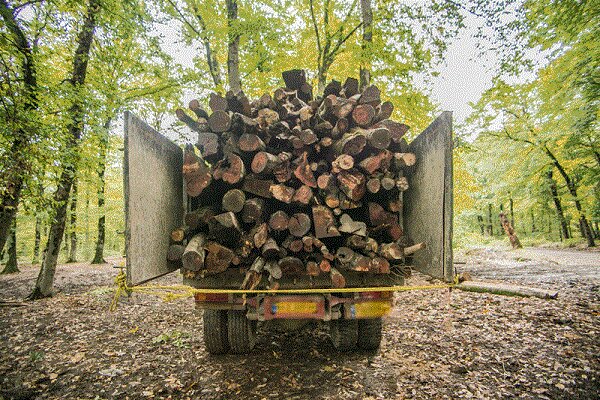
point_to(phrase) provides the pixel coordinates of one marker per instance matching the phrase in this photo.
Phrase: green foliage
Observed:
(174, 338)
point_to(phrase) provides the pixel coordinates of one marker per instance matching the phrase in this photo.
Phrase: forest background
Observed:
(68, 69)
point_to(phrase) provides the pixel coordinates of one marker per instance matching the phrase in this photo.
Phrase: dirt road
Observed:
(436, 344)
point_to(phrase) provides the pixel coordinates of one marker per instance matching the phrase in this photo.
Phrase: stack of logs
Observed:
(288, 185)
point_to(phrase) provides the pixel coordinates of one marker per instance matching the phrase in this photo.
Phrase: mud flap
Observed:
(429, 201)
(154, 202)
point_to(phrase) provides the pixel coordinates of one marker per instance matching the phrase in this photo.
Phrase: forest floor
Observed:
(437, 344)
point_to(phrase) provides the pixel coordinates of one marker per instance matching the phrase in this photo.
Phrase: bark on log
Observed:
(282, 193)
(231, 169)
(199, 218)
(250, 143)
(270, 250)
(218, 258)
(259, 187)
(194, 105)
(175, 252)
(291, 266)
(324, 222)
(507, 290)
(353, 184)
(233, 200)
(196, 174)
(217, 102)
(299, 224)
(279, 221)
(337, 279)
(253, 210)
(219, 121)
(193, 255)
(347, 225)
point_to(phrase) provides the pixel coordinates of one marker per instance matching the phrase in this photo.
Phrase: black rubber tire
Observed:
(344, 334)
(369, 333)
(215, 331)
(241, 332)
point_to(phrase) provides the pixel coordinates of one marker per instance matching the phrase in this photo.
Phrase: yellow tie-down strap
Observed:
(174, 292)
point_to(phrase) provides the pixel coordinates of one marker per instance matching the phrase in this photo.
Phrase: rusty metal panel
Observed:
(153, 199)
(428, 202)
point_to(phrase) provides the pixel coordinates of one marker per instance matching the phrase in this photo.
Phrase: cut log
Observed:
(175, 252)
(197, 126)
(270, 250)
(373, 185)
(384, 111)
(194, 105)
(363, 115)
(325, 181)
(312, 269)
(413, 249)
(199, 218)
(307, 242)
(267, 117)
(208, 144)
(238, 102)
(253, 210)
(347, 225)
(402, 184)
(343, 108)
(279, 221)
(304, 173)
(193, 255)
(333, 87)
(341, 126)
(371, 95)
(258, 187)
(351, 143)
(378, 162)
(303, 195)
(396, 129)
(260, 234)
(337, 279)
(324, 222)
(391, 251)
(282, 193)
(384, 221)
(196, 174)
(233, 200)
(299, 224)
(362, 243)
(325, 265)
(343, 162)
(178, 234)
(264, 163)
(219, 121)
(226, 229)
(507, 290)
(250, 143)
(273, 269)
(350, 87)
(352, 183)
(217, 102)
(405, 159)
(291, 266)
(231, 169)
(308, 137)
(218, 258)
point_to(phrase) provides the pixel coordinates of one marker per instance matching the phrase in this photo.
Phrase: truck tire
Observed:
(215, 331)
(369, 333)
(241, 332)
(344, 334)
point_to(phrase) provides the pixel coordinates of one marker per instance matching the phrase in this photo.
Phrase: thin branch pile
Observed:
(287, 185)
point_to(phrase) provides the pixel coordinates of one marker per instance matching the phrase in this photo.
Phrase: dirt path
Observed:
(436, 344)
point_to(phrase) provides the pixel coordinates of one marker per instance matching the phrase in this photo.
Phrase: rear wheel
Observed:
(241, 332)
(215, 331)
(369, 333)
(344, 334)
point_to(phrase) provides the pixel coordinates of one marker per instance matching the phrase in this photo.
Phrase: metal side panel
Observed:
(153, 199)
(428, 202)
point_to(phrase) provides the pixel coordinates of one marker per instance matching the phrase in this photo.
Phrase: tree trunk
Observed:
(481, 224)
(45, 280)
(37, 240)
(13, 175)
(73, 224)
(564, 229)
(533, 227)
(11, 264)
(512, 214)
(99, 253)
(490, 227)
(211, 58)
(233, 61)
(367, 40)
(585, 227)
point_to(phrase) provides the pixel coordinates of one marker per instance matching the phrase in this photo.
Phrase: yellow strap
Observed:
(166, 291)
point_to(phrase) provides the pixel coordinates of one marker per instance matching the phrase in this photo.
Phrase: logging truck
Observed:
(157, 200)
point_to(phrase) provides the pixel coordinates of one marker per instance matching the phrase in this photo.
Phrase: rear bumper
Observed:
(324, 307)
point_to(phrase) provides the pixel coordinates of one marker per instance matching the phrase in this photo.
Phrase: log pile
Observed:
(291, 185)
